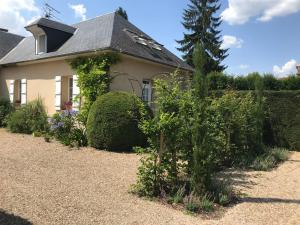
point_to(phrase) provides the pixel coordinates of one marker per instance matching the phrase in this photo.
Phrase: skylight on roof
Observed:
(141, 39)
(155, 45)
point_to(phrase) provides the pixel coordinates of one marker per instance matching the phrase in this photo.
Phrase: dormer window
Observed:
(41, 44)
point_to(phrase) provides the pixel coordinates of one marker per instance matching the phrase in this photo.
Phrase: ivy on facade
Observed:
(93, 77)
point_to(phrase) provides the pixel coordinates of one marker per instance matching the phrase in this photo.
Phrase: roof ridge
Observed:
(106, 14)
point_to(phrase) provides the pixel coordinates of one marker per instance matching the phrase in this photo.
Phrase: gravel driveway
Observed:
(43, 184)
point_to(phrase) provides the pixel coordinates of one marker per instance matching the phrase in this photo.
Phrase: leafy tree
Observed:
(202, 26)
(122, 12)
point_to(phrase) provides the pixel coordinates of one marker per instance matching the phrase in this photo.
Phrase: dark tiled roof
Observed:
(52, 24)
(7, 42)
(107, 32)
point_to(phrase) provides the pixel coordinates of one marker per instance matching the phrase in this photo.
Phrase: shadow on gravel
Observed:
(237, 178)
(270, 200)
(11, 219)
(292, 160)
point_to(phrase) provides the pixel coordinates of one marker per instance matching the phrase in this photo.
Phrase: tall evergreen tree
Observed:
(202, 164)
(122, 12)
(202, 26)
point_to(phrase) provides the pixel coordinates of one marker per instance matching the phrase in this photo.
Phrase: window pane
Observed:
(146, 94)
(42, 44)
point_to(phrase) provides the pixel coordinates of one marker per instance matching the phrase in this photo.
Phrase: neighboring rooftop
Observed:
(8, 41)
(107, 32)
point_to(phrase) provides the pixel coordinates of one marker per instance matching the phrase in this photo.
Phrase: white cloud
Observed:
(231, 42)
(79, 10)
(12, 14)
(244, 66)
(240, 11)
(286, 69)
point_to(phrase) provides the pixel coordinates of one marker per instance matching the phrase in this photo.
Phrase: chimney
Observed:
(298, 70)
(3, 30)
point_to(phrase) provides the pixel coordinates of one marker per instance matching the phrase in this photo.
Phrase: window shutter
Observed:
(11, 90)
(76, 92)
(23, 91)
(58, 93)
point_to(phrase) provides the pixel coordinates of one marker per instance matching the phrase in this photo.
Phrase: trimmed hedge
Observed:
(113, 122)
(220, 81)
(282, 127)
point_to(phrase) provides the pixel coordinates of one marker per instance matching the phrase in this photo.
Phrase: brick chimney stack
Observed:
(298, 70)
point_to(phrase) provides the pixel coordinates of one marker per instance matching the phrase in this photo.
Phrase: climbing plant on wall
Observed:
(93, 77)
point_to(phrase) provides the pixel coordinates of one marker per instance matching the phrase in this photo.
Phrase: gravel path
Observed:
(43, 184)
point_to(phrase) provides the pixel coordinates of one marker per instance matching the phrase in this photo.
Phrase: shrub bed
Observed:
(68, 128)
(29, 118)
(113, 122)
(5, 109)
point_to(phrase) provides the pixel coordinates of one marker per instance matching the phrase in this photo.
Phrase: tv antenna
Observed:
(49, 11)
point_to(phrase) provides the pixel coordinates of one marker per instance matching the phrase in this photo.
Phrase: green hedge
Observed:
(220, 81)
(113, 122)
(282, 127)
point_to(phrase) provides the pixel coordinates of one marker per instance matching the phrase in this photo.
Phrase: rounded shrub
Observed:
(113, 122)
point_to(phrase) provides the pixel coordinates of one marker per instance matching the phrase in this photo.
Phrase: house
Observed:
(38, 65)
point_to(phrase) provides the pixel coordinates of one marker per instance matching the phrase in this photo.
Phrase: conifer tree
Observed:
(122, 12)
(201, 175)
(202, 25)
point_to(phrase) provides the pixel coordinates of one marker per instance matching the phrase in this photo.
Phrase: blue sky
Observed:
(262, 34)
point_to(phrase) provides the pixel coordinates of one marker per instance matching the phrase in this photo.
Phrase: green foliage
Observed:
(113, 122)
(122, 12)
(29, 118)
(149, 176)
(202, 23)
(178, 197)
(159, 169)
(202, 163)
(211, 132)
(194, 203)
(5, 109)
(282, 125)
(233, 127)
(206, 204)
(220, 81)
(270, 159)
(68, 128)
(259, 115)
(93, 77)
(222, 192)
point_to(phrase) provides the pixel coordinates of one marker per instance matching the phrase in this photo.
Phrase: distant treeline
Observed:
(220, 81)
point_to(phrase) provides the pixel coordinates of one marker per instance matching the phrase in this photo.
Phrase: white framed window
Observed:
(147, 91)
(71, 89)
(41, 44)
